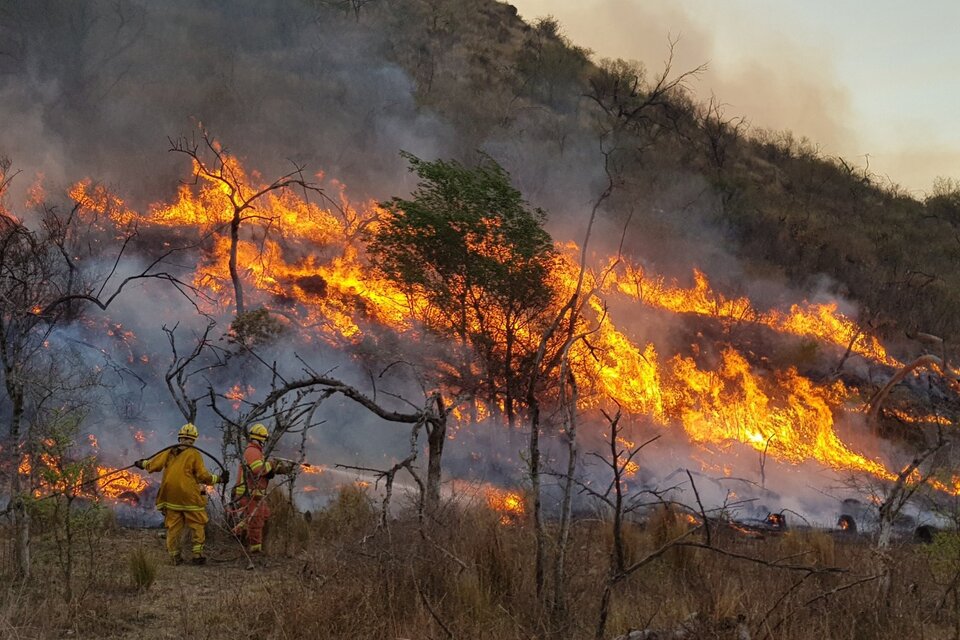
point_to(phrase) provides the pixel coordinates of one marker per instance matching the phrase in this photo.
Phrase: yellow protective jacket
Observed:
(183, 473)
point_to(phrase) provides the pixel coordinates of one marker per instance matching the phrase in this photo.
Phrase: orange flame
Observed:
(106, 482)
(303, 256)
(820, 321)
(509, 504)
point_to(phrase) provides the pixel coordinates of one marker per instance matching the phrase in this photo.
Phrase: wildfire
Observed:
(301, 257)
(51, 475)
(120, 484)
(312, 469)
(509, 504)
(237, 393)
(907, 418)
(822, 322)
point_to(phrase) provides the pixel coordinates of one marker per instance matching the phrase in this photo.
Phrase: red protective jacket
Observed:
(254, 473)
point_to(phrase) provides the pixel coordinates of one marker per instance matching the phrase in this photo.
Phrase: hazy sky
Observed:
(878, 78)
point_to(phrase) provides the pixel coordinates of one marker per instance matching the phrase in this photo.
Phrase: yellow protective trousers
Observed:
(175, 521)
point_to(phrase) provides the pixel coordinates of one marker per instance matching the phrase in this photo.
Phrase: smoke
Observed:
(763, 74)
(96, 89)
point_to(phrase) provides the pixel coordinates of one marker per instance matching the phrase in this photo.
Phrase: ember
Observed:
(777, 521)
(509, 504)
(847, 524)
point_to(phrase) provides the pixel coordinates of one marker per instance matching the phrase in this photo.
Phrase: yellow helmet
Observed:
(188, 430)
(258, 432)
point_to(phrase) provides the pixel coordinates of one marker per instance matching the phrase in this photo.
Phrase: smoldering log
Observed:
(847, 524)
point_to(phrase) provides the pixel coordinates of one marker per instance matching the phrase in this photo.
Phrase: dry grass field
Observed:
(468, 574)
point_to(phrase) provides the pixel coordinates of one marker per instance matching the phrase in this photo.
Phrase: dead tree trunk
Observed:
(540, 545)
(559, 609)
(218, 170)
(21, 519)
(908, 482)
(436, 437)
(234, 273)
(21, 522)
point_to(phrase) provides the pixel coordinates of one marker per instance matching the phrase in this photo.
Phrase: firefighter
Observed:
(253, 477)
(181, 500)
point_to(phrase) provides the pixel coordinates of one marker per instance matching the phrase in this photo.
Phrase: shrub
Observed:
(352, 510)
(667, 523)
(816, 547)
(143, 569)
(287, 531)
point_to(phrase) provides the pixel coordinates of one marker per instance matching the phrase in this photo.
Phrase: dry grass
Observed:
(341, 577)
(143, 569)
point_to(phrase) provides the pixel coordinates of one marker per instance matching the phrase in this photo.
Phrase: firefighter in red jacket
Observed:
(180, 499)
(251, 490)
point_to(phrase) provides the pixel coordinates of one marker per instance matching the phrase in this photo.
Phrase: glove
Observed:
(141, 463)
(282, 467)
(225, 478)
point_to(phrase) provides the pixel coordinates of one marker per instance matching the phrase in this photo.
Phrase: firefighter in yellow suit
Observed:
(180, 499)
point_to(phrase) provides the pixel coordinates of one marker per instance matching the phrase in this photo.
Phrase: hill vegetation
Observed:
(775, 201)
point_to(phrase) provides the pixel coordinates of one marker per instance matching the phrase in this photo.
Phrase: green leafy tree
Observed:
(475, 262)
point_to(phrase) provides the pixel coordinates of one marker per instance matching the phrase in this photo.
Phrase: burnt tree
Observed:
(211, 163)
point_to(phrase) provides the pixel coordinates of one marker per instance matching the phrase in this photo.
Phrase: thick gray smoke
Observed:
(95, 88)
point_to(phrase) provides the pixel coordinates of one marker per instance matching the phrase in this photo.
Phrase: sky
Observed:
(873, 82)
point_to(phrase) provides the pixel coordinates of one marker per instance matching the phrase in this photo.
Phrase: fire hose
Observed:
(293, 463)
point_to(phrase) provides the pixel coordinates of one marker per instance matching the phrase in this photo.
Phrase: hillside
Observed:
(556, 349)
(480, 79)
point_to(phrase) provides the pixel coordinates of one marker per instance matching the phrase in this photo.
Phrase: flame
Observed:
(302, 260)
(907, 418)
(509, 504)
(46, 472)
(119, 484)
(820, 321)
(237, 394)
(36, 194)
(312, 469)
